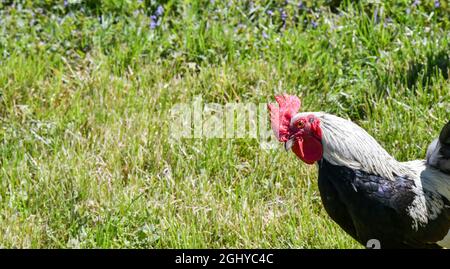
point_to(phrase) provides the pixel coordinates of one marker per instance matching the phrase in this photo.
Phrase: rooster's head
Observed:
(300, 132)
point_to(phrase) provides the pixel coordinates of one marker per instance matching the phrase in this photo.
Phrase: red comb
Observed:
(280, 117)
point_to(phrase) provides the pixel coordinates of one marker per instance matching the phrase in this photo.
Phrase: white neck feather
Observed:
(347, 144)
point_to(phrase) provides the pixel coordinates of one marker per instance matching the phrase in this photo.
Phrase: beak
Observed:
(288, 144)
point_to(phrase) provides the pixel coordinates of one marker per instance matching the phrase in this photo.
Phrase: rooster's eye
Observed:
(300, 124)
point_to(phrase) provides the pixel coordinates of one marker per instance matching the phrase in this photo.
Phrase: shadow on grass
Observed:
(423, 72)
(415, 73)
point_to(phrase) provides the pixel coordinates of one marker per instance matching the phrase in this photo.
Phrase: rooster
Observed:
(366, 191)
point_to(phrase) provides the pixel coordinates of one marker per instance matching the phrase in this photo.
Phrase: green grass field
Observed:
(86, 90)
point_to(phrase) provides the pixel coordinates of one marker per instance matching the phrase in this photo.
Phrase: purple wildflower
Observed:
(375, 16)
(264, 35)
(283, 15)
(159, 11)
(301, 5)
(387, 21)
(416, 3)
(153, 22)
(66, 3)
(314, 24)
(378, 14)
(437, 3)
(269, 12)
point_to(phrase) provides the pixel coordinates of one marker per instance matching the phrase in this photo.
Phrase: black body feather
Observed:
(438, 153)
(371, 207)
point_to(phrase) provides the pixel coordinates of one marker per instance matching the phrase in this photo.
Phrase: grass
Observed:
(86, 90)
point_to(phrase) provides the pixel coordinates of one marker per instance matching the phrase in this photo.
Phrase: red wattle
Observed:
(308, 150)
